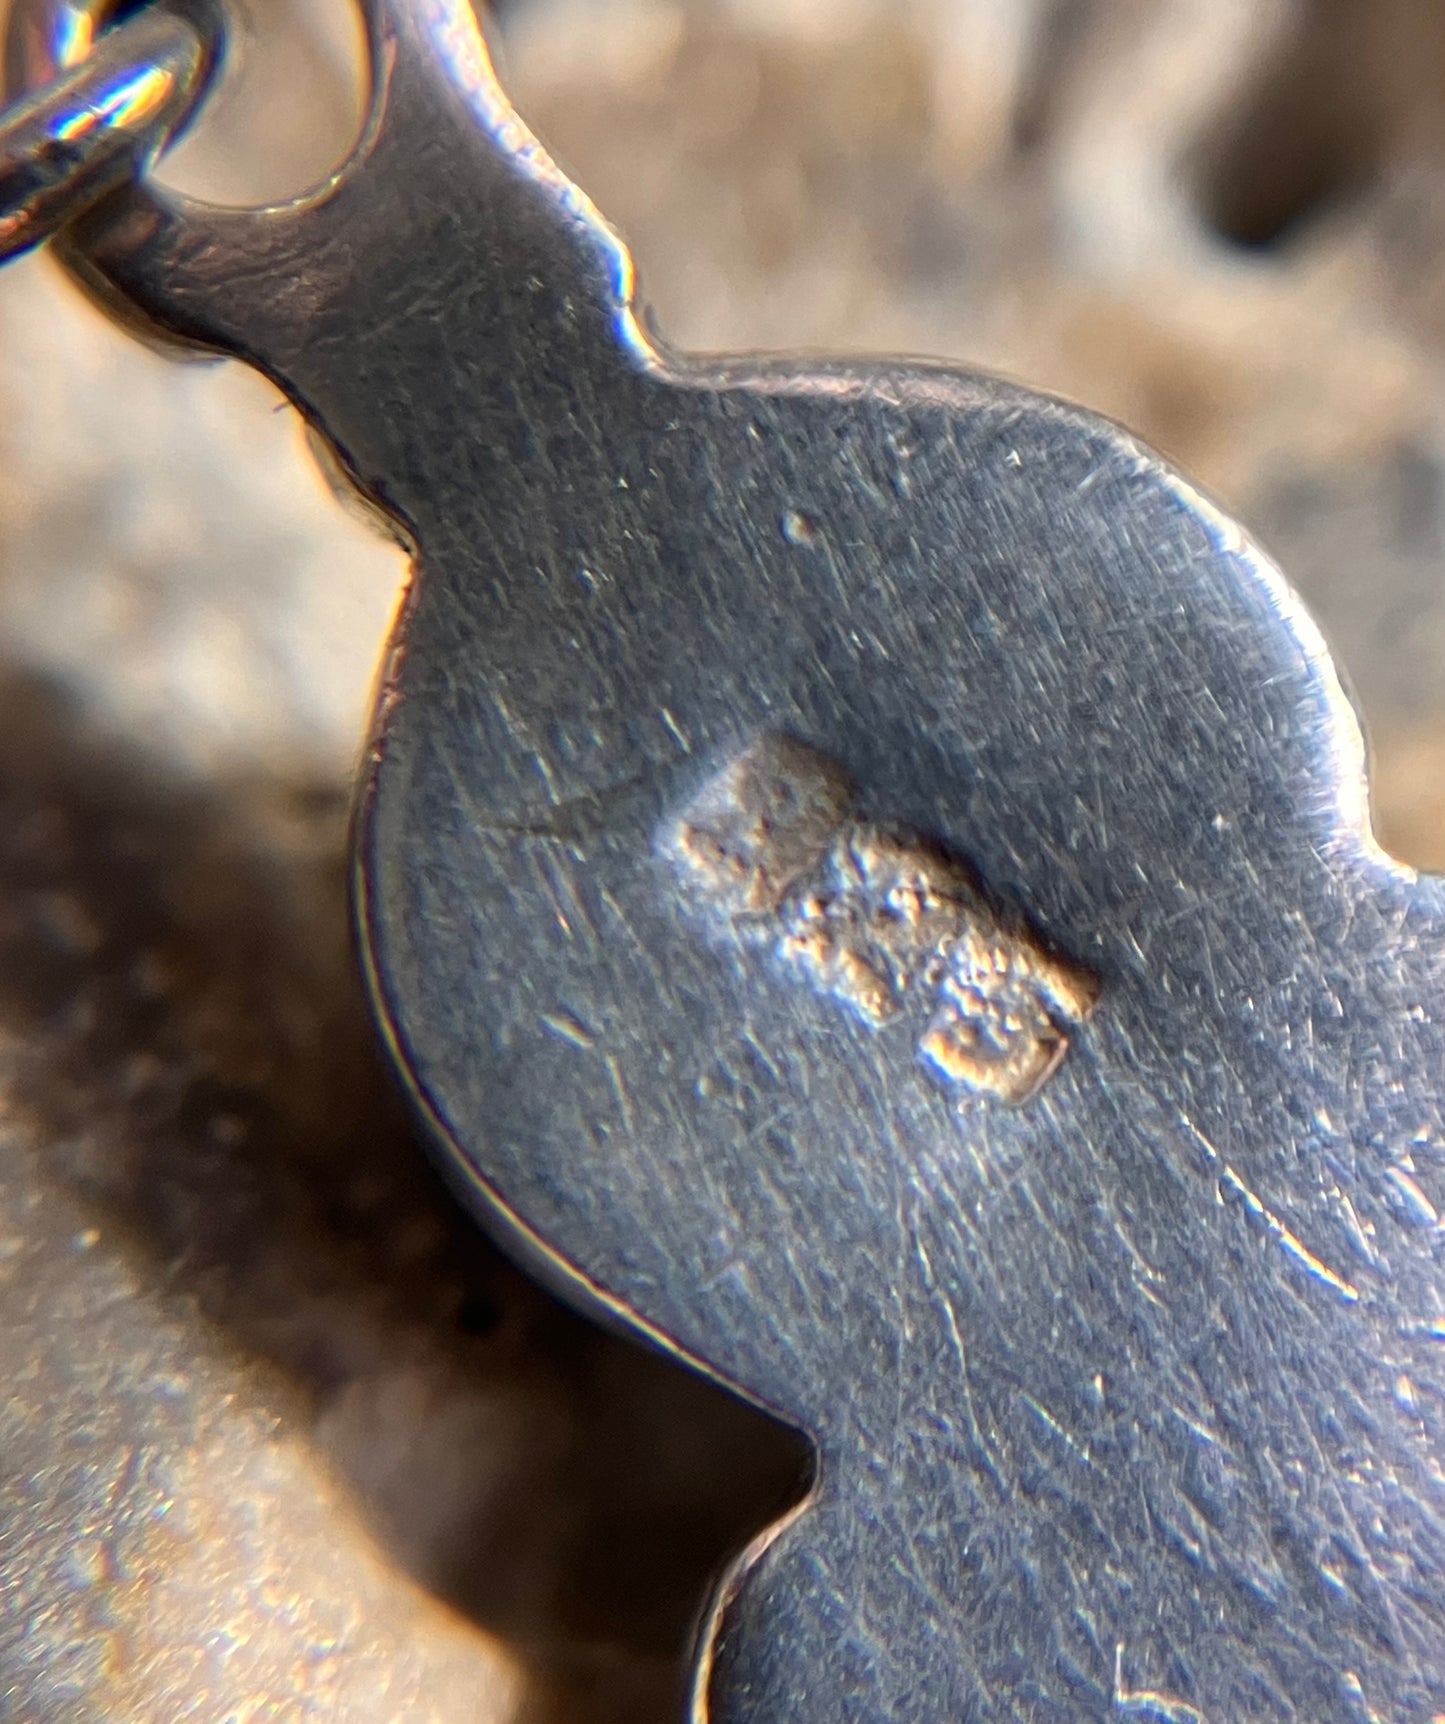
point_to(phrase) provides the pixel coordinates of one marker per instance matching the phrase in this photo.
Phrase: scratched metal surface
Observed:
(231, 1443)
(1127, 1398)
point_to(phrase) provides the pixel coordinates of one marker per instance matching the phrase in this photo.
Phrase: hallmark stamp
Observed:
(879, 918)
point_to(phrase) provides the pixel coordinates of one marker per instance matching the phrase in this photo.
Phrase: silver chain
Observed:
(100, 122)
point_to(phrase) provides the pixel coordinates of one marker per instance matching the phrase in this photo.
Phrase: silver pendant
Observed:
(867, 876)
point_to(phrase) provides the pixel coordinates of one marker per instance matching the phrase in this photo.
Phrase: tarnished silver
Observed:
(745, 715)
(115, 98)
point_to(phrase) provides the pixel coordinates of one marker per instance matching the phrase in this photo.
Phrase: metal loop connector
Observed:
(115, 104)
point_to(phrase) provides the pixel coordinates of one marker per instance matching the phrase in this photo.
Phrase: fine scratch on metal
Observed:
(1291, 1242)
(569, 1029)
(1149, 1703)
(570, 821)
(1288, 1240)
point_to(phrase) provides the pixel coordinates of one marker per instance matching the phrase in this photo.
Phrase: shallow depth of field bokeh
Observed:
(351, 1460)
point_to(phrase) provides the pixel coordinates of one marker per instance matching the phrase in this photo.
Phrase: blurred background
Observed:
(283, 1439)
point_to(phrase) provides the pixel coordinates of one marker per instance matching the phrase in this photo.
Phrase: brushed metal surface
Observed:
(1127, 1399)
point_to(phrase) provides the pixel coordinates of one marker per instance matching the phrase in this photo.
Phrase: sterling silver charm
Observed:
(868, 878)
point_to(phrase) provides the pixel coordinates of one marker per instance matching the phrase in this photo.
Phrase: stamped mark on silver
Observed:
(878, 917)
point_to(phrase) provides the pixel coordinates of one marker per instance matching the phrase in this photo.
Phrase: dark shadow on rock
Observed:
(1348, 93)
(184, 1022)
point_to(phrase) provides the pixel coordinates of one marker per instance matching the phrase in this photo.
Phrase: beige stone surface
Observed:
(284, 1439)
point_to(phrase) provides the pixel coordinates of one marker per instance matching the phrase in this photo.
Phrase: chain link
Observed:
(100, 122)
